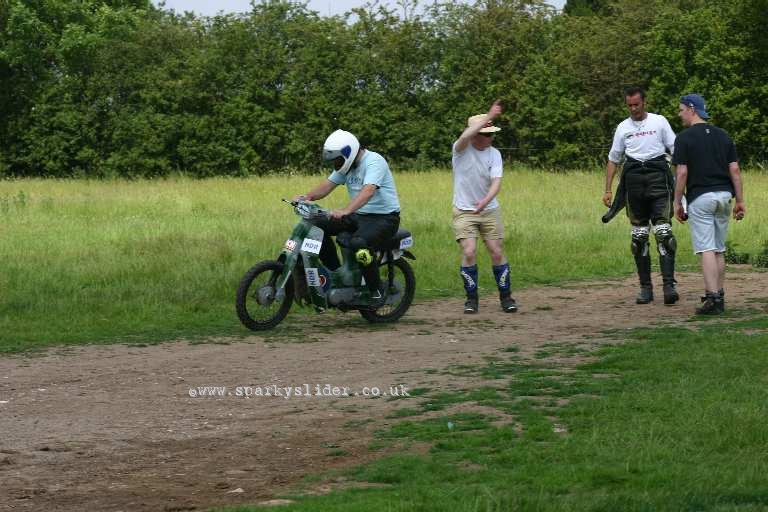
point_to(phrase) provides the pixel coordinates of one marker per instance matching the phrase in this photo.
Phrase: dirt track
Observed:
(115, 428)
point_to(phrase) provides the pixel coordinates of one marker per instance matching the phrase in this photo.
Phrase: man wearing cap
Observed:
(708, 174)
(646, 184)
(477, 172)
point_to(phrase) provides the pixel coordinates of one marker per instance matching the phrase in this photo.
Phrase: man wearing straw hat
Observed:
(477, 172)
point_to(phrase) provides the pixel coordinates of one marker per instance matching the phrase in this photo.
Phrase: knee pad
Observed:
(666, 242)
(364, 257)
(640, 236)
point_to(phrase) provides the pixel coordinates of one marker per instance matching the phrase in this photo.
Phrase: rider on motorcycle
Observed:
(373, 213)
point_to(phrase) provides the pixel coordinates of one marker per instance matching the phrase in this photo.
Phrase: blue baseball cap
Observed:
(697, 102)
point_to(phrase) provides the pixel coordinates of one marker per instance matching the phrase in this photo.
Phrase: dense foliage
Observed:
(121, 88)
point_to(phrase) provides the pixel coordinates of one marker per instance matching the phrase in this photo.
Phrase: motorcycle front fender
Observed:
(293, 249)
(317, 277)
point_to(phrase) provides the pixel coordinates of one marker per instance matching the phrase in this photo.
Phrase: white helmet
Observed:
(341, 147)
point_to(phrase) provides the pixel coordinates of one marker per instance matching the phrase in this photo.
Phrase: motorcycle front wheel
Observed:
(401, 286)
(258, 306)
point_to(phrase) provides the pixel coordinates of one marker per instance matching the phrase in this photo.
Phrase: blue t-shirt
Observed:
(372, 169)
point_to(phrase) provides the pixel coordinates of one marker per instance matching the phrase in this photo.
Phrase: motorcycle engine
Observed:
(341, 296)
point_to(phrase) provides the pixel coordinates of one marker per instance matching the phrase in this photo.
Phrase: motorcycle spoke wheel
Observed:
(401, 289)
(258, 306)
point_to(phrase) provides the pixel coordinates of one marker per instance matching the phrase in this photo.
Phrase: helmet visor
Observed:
(338, 162)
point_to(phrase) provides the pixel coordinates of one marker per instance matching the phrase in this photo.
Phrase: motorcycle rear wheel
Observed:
(257, 306)
(404, 283)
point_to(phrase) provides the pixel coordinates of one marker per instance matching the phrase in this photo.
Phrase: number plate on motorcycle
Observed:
(318, 277)
(313, 276)
(290, 245)
(310, 245)
(406, 242)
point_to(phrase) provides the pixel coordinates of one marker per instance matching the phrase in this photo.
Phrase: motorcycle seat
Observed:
(394, 241)
(345, 239)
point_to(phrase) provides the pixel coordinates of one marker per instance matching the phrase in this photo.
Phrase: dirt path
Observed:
(115, 428)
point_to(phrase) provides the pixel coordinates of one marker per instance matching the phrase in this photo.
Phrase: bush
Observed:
(761, 260)
(733, 256)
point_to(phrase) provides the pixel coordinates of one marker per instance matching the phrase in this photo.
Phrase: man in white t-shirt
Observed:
(644, 140)
(477, 171)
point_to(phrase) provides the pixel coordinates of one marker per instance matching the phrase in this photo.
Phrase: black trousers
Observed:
(365, 231)
(650, 192)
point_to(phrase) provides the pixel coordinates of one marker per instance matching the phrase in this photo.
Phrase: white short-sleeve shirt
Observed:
(642, 140)
(473, 172)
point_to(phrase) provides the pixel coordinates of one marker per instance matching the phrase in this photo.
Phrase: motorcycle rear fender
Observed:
(396, 255)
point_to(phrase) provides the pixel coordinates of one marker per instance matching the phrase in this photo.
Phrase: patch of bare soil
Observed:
(115, 428)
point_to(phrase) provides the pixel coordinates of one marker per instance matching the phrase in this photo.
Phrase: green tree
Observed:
(721, 58)
(587, 7)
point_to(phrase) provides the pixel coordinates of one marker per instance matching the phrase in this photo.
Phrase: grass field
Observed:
(664, 420)
(143, 261)
(672, 420)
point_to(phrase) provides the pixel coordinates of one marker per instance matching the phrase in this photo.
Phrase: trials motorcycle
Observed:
(267, 291)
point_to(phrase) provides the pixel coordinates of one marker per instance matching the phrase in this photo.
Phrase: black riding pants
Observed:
(650, 192)
(366, 231)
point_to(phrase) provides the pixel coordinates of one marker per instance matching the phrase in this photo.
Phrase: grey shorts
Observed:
(486, 225)
(708, 215)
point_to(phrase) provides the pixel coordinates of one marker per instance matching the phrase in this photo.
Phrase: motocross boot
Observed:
(370, 271)
(471, 306)
(508, 304)
(667, 264)
(644, 273)
(378, 299)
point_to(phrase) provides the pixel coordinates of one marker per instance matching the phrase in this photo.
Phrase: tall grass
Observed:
(99, 261)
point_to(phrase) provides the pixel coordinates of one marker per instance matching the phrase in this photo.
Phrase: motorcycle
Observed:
(267, 291)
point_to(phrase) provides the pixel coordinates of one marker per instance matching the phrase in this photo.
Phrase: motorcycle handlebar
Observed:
(308, 209)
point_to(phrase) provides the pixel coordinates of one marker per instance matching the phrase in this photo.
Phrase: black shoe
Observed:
(471, 306)
(508, 304)
(711, 304)
(670, 294)
(645, 296)
(377, 299)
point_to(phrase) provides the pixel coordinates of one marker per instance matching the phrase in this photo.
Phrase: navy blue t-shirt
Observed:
(707, 151)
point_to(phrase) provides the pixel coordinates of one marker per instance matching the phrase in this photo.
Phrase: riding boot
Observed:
(371, 275)
(469, 278)
(667, 264)
(644, 273)
(373, 282)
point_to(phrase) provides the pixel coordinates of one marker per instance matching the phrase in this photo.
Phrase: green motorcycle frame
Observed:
(267, 291)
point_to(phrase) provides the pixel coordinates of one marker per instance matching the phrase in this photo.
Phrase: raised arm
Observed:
(470, 131)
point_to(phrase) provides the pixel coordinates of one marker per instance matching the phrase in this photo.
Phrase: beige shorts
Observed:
(486, 224)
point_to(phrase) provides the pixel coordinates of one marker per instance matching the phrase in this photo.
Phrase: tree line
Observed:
(102, 88)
